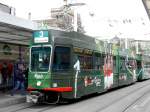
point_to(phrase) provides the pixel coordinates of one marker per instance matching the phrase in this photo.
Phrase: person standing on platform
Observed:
(9, 78)
(26, 77)
(20, 80)
(4, 73)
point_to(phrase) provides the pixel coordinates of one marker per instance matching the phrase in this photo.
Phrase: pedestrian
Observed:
(9, 78)
(26, 77)
(20, 80)
(4, 72)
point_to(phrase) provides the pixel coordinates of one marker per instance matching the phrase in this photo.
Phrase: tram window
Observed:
(98, 61)
(114, 64)
(40, 58)
(108, 64)
(139, 64)
(61, 58)
(122, 63)
(131, 63)
(85, 61)
(88, 62)
(81, 59)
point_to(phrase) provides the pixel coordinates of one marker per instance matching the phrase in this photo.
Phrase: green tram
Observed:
(143, 67)
(69, 65)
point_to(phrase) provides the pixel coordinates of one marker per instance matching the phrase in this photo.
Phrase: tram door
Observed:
(139, 69)
(123, 77)
(115, 71)
(61, 65)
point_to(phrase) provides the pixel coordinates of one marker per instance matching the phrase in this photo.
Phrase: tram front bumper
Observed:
(34, 97)
(31, 99)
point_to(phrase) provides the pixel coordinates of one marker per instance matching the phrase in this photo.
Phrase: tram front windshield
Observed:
(40, 58)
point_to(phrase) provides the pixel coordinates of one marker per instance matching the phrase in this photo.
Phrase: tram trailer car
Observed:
(143, 67)
(69, 65)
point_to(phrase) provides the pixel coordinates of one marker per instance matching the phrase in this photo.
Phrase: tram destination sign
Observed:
(40, 36)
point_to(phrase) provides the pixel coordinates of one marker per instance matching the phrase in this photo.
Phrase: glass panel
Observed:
(40, 58)
(131, 64)
(139, 64)
(81, 59)
(61, 58)
(85, 61)
(98, 61)
(122, 64)
(108, 65)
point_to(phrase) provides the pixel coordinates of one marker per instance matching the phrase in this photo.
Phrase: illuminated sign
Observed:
(40, 36)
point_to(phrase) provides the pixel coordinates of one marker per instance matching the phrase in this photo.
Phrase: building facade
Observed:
(64, 18)
(7, 9)
(15, 35)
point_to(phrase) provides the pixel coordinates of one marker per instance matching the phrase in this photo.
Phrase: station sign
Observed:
(41, 36)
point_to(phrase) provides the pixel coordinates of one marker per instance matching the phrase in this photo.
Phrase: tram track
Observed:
(35, 108)
(112, 103)
(73, 106)
(41, 107)
(23, 107)
(48, 107)
(135, 101)
(13, 108)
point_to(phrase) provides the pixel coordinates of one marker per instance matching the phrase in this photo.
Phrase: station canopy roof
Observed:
(15, 30)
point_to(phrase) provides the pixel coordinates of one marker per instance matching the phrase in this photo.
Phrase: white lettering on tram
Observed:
(77, 68)
(38, 76)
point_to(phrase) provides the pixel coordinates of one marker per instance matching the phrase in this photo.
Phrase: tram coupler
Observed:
(34, 97)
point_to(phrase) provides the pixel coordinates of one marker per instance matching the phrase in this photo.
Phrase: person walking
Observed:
(20, 80)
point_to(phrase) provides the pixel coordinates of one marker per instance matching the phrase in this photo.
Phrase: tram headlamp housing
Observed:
(54, 84)
(39, 83)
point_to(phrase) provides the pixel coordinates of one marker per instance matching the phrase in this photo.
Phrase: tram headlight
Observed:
(54, 84)
(39, 83)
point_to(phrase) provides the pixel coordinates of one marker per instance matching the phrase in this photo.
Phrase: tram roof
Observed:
(82, 41)
(77, 39)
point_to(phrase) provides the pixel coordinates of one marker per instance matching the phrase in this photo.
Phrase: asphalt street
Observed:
(133, 98)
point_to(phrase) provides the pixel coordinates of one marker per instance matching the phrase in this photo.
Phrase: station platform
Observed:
(6, 99)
